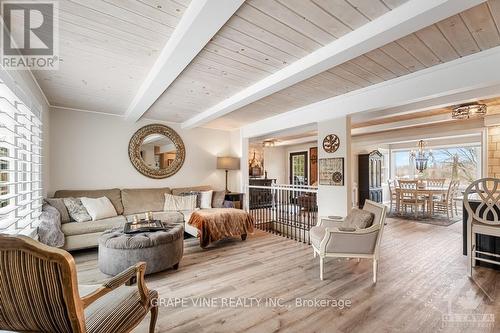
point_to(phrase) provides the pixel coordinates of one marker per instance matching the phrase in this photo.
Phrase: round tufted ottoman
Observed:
(160, 250)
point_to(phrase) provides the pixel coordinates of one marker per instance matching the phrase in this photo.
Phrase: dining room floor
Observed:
(422, 286)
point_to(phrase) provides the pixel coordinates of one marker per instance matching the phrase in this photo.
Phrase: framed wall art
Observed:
(331, 171)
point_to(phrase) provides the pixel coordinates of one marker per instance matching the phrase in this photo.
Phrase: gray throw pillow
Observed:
(76, 210)
(58, 204)
(358, 219)
(218, 199)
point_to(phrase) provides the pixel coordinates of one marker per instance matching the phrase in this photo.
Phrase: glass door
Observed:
(298, 168)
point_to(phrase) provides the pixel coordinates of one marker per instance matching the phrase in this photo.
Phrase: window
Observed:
(460, 162)
(402, 166)
(20, 165)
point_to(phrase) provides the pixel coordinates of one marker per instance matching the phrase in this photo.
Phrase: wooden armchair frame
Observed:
(74, 304)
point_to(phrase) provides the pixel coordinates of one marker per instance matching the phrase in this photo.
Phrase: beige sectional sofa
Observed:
(127, 202)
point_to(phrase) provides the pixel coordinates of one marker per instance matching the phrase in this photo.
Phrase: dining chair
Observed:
(437, 183)
(39, 293)
(409, 196)
(328, 241)
(446, 203)
(392, 195)
(483, 219)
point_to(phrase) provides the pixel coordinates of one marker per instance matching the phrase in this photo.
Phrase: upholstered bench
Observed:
(160, 250)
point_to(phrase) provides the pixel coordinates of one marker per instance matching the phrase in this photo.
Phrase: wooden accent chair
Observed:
(330, 242)
(483, 219)
(39, 293)
(409, 197)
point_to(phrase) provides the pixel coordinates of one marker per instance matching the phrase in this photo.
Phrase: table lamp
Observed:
(228, 163)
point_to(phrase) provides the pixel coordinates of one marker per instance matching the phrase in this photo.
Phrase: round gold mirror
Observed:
(156, 151)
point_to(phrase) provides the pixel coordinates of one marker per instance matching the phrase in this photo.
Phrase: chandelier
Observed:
(468, 111)
(421, 156)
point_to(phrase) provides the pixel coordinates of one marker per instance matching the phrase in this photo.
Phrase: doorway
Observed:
(298, 168)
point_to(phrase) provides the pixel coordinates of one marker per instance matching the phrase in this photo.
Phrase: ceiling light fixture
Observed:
(468, 111)
(269, 143)
(421, 156)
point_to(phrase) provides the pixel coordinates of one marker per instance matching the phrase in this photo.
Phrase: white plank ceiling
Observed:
(469, 32)
(107, 48)
(261, 38)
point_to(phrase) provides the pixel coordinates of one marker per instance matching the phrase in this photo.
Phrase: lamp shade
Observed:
(228, 163)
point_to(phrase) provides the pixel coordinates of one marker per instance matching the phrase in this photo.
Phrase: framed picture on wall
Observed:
(331, 171)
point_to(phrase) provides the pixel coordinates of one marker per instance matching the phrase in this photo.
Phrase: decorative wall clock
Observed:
(331, 143)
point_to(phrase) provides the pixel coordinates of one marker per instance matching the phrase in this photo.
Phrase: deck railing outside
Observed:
(286, 210)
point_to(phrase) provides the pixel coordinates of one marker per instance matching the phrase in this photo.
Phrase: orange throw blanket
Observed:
(218, 223)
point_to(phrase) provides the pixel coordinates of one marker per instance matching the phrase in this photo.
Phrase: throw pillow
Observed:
(206, 199)
(176, 202)
(76, 210)
(358, 219)
(198, 197)
(99, 208)
(58, 204)
(218, 199)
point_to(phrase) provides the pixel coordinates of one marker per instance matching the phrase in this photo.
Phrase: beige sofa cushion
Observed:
(74, 228)
(179, 190)
(114, 195)
(140, 200)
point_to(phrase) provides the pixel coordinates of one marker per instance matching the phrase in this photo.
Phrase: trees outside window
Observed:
(461, 163)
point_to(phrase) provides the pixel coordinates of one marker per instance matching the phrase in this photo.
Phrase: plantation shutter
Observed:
(20, 164)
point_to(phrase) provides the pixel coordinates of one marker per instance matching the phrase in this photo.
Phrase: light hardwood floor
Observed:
(422, 278)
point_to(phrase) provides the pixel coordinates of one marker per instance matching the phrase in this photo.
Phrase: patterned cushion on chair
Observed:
(116, 311)
(358, 219)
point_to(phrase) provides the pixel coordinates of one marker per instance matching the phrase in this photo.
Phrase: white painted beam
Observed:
(461, 76)
(404, 20)
(469, 96)
(439, 118)
(200, 22)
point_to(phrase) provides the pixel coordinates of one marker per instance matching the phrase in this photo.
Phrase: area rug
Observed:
(440, 220)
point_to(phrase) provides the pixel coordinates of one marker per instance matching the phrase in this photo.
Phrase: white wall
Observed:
(236, 150)
(336, 200)
(90, 151)
(275, 162)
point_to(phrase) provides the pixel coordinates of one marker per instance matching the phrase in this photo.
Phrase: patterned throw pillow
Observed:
(190, 193)
(76, 210)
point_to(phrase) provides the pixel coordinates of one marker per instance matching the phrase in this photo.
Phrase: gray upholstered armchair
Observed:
(330, 242)
(39, 293)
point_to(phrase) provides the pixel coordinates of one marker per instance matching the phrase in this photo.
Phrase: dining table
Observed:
(428, 192)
